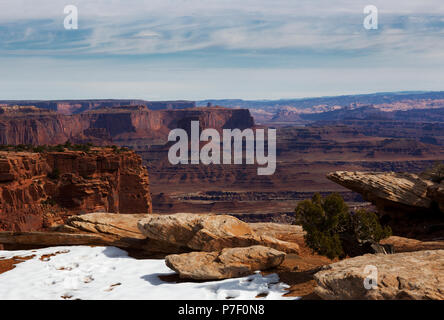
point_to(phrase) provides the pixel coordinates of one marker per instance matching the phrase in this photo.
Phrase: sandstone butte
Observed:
(33, 197)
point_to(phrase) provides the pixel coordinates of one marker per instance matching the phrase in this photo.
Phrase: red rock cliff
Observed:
(38, 189)
(130, 125)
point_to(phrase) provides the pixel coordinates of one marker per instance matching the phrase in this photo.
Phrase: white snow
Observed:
(82, 272)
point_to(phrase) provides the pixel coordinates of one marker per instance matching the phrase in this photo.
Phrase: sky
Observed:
(218, 49)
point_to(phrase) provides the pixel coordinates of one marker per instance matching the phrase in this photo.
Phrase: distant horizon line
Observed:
(229, 99)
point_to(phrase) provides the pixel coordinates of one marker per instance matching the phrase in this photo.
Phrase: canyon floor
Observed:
(305, 155)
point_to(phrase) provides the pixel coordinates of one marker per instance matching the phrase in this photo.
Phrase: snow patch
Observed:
(82, 272)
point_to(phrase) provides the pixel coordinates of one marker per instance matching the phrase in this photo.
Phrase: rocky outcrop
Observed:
(100, 229)
(409, 203)
(179, 233)
(206, 232)
(387, 189)
(228, 263)
(412, 275)
(40, 189)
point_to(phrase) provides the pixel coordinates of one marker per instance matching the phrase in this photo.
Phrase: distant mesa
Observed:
(79, 106)
(127, 125)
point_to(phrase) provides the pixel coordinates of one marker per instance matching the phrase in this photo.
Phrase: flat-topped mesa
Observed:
(123, 125)
(13, 111)
(39, 189)
(78, 106)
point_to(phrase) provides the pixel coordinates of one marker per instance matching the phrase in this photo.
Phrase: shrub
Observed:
(365, 225)
(435, 173)
(57, 148)
(67, 144)
(39, 149)
(332, 231)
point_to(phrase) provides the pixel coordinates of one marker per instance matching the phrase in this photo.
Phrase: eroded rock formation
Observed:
(387, 189)
(228, 263)
(39, 189)
(411, 275)
(181, 234)
(411, 204)
(206, 232)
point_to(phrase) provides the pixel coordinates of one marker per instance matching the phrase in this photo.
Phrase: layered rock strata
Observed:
(38, 190)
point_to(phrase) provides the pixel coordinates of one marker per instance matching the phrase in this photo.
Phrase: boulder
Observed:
(206, 232)
(409, 275)
(228, 263)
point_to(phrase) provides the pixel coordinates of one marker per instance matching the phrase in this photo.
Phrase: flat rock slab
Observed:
(410, 275)
(119, 225)
(228, 263)
(280, 231)
(401, 244)
(207, 232)
(50, 238)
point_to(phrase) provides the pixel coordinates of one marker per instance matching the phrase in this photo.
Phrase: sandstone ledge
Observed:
(410, 275)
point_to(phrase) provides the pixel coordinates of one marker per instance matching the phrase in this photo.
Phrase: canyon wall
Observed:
(41, 189)
(130, 125)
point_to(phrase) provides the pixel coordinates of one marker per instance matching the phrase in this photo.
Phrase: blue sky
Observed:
(202, 49)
